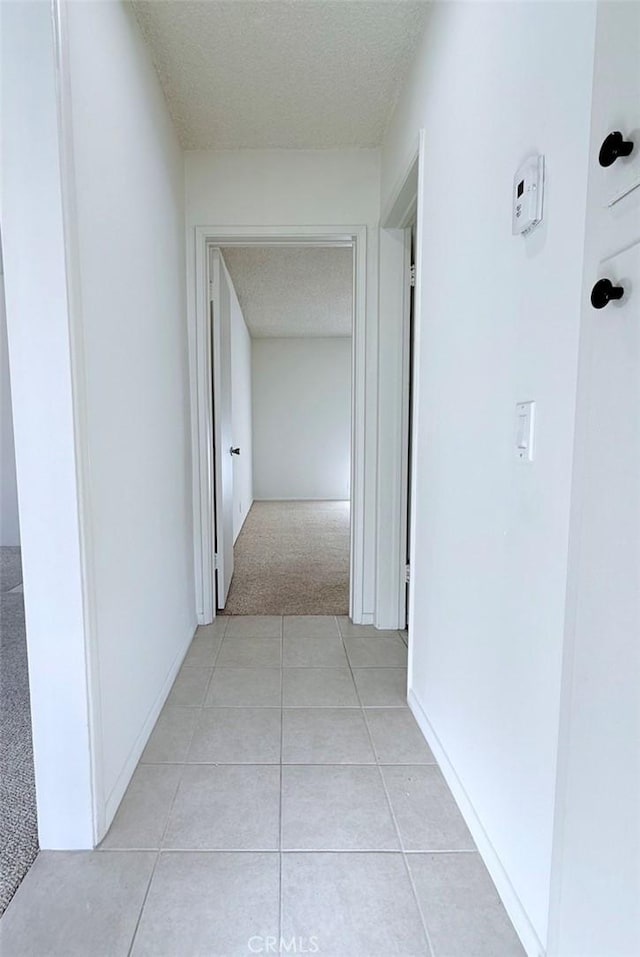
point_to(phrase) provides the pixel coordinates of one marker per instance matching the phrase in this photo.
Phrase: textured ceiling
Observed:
(293, 291)
(299, 74)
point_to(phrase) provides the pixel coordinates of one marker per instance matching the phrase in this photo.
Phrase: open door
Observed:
(220, 318)
(407, 451)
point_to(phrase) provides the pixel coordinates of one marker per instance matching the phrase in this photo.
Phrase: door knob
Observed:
(603, 292)
(233, 451)
(613, 147)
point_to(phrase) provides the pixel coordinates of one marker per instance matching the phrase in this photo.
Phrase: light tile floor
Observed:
(286, 794)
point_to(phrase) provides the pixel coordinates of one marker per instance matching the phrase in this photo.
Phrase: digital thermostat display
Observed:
(528, 190)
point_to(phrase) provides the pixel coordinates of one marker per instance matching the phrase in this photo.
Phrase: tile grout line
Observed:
(430, 945)
(405, 859)
(213, 671)
(271, 850)
(144, 902)
(393, 817)
(201, 709)
(378, 755)
(304, 764)
(182, 766)
(165, 851)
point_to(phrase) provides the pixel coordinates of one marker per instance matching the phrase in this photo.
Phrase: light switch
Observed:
(525, 420)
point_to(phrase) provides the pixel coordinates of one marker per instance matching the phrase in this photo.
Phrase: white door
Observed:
(222, 434)
(598, 909)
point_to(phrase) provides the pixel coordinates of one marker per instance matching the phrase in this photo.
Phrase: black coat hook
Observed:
(603, 292)
(613, 147)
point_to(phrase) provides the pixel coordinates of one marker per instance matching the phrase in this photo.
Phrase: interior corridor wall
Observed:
(300, 188)
(302, 418)
(498, 324)
(129, 216)
(9, 524)
(595, 902)
(241, 411)
(42, 391)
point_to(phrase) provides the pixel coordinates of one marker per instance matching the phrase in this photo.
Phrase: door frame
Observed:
(354, 237)
(403, 208)
(217, 275)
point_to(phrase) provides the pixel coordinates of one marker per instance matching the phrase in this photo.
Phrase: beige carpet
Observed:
(292, 558)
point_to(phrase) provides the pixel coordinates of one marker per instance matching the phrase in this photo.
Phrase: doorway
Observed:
(298, 547)
(281, 338)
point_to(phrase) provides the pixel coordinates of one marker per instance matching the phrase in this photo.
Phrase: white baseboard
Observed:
(513, 905)
(305, 499)
(245, 517)
(112, 802)
(367, 618)
(391, 623)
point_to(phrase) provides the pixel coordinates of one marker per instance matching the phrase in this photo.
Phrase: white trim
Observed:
(401, 207)
(391, 468)
(81, 431)
(202, 412)
(299, 338)
(404, 439)
(417, 334)
(358, 426)
(221, 573)
(513, 905)
(298, 498)
(393, 407)
(202, 451)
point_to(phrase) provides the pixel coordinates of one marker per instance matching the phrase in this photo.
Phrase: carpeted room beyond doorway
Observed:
(292, 558)
(18, 819)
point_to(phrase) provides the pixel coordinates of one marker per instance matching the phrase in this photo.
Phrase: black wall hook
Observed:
(603, 292)
(613, 147)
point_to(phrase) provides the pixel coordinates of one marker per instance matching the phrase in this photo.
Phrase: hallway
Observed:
(286, 792)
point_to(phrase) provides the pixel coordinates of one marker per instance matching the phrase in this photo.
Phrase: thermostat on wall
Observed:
(528, 190)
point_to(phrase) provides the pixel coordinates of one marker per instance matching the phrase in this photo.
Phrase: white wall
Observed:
(9, 524)
(499, 322)
(129, 198)
(43, 413)
(284, 187)
(595, 906)
(93, 236)
(300, 188)
(302, 418)
(241, 412)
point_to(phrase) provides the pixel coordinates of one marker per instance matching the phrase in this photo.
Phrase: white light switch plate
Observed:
(525, 425)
